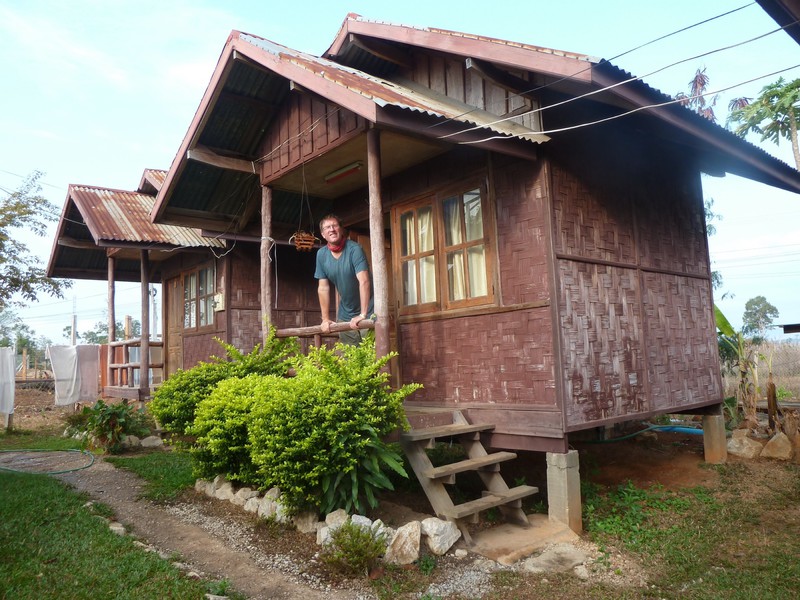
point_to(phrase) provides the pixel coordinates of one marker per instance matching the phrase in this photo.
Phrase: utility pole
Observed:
(74, 340)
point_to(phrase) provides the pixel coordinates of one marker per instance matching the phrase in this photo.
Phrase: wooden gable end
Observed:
(306, 127)
(450, 76)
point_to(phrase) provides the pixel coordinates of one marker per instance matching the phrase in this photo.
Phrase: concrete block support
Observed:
(564, 489)
(715, 444)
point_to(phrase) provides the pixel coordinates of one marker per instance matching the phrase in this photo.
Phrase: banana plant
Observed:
(746, 366)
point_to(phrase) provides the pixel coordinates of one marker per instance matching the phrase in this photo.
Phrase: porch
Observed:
(125, 362)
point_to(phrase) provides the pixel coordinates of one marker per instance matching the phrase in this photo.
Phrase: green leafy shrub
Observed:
(108, 423)
(354, 549)
(221, 426)
(175, 402)
(318, 436)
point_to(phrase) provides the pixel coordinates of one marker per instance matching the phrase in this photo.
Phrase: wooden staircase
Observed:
(433, 479)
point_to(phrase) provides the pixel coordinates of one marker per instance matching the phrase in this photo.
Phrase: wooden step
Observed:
(429, 433)
(470, 464)
(491, 500)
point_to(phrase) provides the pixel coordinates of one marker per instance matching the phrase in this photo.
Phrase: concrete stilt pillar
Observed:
(715, 444)
(564, 489)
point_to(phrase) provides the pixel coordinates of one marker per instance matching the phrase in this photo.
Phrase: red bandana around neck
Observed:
(338, 248)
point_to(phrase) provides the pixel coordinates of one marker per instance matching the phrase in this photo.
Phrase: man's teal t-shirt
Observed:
(341, 273)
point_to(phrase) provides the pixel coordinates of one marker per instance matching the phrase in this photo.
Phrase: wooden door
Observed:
(173, 325)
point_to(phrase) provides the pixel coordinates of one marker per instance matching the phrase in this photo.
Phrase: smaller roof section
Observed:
(99, 222)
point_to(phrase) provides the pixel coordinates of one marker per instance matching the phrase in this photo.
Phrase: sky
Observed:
(96, 91)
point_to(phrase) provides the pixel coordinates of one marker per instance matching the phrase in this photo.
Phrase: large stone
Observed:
(130, 441)
(224, 492)
(744, 447)
(203, 486)
(252, 504)
(243, 495)
(337, 518)
(555, 558)
(403, 549)
(305, 522)
(440, 535)
(323, 535)
(267, 508)
(152, 441)
(779, 447)
(361, 521)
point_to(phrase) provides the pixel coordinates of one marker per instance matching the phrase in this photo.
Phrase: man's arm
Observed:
(364, 291)
(324, 294)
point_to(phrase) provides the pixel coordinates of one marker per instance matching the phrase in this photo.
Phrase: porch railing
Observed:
(125, 368)
(315, 331)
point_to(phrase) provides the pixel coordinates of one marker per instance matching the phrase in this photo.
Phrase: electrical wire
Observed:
(625, 82)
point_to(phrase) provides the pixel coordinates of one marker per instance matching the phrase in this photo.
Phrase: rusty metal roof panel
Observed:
(121, 216)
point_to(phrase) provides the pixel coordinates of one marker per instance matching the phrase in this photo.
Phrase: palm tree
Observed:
(773, 115)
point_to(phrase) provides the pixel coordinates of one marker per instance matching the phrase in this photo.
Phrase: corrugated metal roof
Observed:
(121, 216)
(394, 93)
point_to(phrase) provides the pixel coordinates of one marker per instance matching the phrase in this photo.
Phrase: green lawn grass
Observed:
(167, 473)
(52, 545)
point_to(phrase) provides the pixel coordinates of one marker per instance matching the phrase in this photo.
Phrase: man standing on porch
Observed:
(343, 263)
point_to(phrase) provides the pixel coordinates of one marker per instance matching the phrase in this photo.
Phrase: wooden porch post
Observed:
(112, 323)
(266, 262)
(380, 277)
(144, 349)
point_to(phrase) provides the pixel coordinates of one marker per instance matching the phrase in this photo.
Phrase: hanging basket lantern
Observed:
(303, 241)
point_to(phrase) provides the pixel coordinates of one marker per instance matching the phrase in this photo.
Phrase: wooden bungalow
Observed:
(535, 222)
(107, 234)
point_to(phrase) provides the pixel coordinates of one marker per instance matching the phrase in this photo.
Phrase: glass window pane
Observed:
(452, 222)
(455, 276)
(427, 279)
(206, 311)
(425, 221)
(190, 314)
(476, 257)
(473, 215)
(409, 282)
(190, 286)
(407, 234)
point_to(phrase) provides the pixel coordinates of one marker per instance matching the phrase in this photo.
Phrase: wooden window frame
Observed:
(198, 299)
(435, 200)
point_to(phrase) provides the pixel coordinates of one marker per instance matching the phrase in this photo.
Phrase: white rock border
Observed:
(403, 544)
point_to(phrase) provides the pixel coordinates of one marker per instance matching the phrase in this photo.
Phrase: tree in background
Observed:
(99, 334)
(759, 315)
(696, 98)
(20, 272)
(773, 115)
(13, 332)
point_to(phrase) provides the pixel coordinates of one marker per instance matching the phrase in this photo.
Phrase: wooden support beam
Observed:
(209, 157)
(380, 273)
(112, 323)
(144, 351)
(68, 242)
(266, 261)
(382, 50)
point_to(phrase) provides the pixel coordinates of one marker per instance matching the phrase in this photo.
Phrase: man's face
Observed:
(332, 232)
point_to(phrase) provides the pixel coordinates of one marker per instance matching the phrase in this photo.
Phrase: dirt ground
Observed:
(221, 541)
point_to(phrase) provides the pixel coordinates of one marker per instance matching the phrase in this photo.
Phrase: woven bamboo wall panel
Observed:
(486, 359)
(522, 247)
(671, 222)
(202, 347)
(591, 224)
(245, 329)
(681, 341)
(601, 324)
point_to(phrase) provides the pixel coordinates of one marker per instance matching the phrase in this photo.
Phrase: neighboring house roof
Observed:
(253, 77)
(97, 222)
(786, 14)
